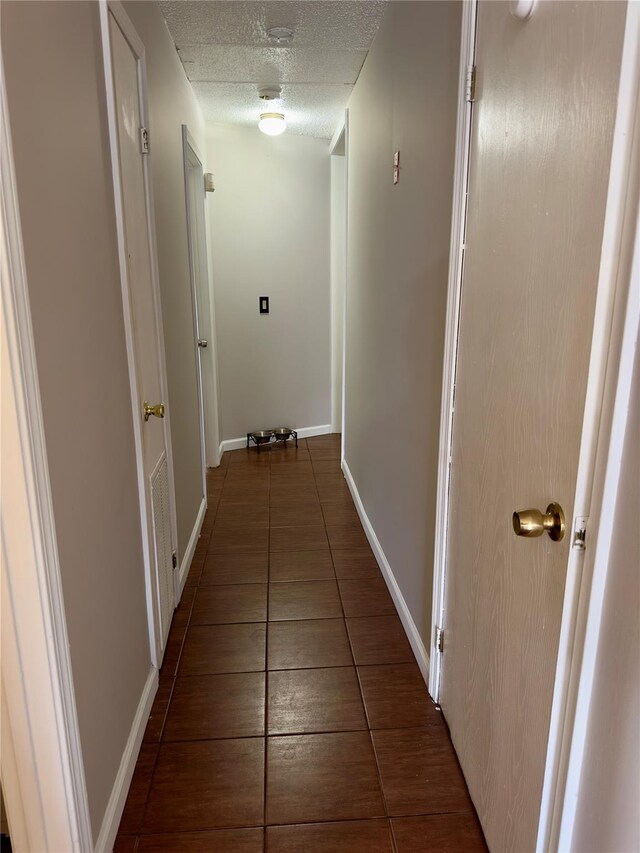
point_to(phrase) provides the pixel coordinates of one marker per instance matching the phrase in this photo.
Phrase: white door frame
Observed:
(343, 128)
(208, 392)
(42, 768)
(342, 132)
(607, 400)
(156, 640)
(615, 331)
(450, 357)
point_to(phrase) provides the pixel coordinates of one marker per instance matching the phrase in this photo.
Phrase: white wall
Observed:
(338, 281)
(172, 104)
(405, 98)
(607, 816)
(269, 222)
(52, 60)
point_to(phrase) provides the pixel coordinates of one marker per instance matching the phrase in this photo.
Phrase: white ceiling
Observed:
(227, 56)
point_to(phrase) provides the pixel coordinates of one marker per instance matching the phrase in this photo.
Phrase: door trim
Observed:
(208, 391)
(156, 640)
(615, 330)
(450, 355)
(42, 767)
(341, 133)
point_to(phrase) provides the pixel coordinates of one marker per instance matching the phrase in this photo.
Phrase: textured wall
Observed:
(270, 237)
(398, 248)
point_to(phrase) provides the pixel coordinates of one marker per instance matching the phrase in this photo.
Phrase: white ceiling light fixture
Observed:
(273, 124)
(281, 35)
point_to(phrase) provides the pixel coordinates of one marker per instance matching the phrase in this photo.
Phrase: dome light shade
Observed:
(273, 124)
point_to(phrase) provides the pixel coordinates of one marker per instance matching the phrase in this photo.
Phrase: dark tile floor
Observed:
(291, 714)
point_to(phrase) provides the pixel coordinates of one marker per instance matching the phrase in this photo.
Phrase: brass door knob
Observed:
(531, 522)
(157, 411)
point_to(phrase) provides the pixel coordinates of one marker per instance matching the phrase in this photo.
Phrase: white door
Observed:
(143, 319)
(540, 151)
(202, 304)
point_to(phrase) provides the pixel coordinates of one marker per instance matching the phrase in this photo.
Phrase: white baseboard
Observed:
(303, 432)
(413, 635)
(118, 797)
(185, 565)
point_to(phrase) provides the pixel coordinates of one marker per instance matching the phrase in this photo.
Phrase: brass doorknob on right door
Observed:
(532, 522)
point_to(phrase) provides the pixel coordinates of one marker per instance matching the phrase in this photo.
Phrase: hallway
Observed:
(357, 757)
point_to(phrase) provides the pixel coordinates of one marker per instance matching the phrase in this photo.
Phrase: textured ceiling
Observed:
(227, 56)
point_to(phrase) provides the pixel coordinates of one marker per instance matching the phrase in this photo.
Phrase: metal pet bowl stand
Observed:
(283, 434)
(263, 437)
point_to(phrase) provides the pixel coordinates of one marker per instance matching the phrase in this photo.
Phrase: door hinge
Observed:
(470, 89)
(144, 140)
(174, 559)
(439, 639)
(579, 540)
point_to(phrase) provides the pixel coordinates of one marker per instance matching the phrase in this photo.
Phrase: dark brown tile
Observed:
(217, 706)
(420, 772)
(324, 450)
(248, 456)
(367, 597)
(379, 639)
(210, 649)
(314, 700)
(243, 497)
(231, 540)
(283, 502)
(125, 844)
(327, 466)
(354, 563)
(340, 513)
(395, 696)
(247, 481)
(327, 481)
(341, 499)
(310, 643)
(133, 814)
(352, 836)
(298, 515)
(214, 841)
(304, 600)
(173, 650)
(301, 471)
(242, 479)
(207, 784)
(155, 723)
(330, 493)
(232, 603)
(242, 515)
(235, 568)
(300, 566)
(289, 456)
(312, 538)
(439, 833)
(343, 536)
(322, 777)
(287, 493)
